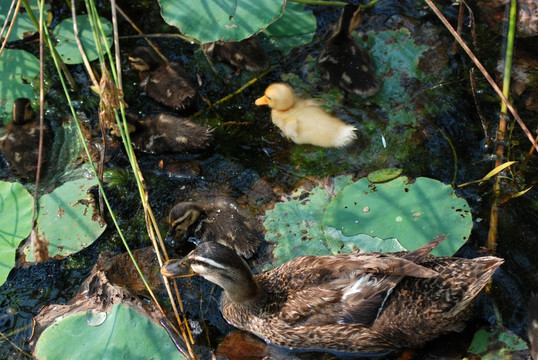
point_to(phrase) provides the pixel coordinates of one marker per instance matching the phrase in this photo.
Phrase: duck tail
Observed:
(347, 135)
(481, 270)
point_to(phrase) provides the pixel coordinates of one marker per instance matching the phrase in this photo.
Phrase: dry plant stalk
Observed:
(492, 235)
(483, 70)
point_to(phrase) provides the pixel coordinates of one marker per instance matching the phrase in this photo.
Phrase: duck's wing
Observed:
(344, 289)
(348, 289)
(363, 300)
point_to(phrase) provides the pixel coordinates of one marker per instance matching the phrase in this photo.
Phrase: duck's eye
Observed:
(268, 98)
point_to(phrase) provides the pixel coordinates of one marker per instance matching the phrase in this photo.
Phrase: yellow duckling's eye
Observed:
(268, 98)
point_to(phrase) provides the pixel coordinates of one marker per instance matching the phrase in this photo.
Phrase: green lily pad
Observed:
(383, 175)
(24, 27)
(124, 334)
(67, 46)
(394, 53)
(16, 206)
(65, 155)
(414, 213)
(18, 68)
(498, 344)
(295, 225)
(363, 242)
(222, 19)
(66, 219)
(296, 27)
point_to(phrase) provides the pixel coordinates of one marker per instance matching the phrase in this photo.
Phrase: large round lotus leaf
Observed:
(210, 20)
(296, 27)
(24, 27)
(67, 46)
(67, 219)
(295, 225)
(17, 70)
(413, 213)
(124, 334)
(16, 206)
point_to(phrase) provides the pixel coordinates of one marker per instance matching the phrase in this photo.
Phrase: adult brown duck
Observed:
(354, 302)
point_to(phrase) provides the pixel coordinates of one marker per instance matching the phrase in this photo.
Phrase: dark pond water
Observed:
(249, 153)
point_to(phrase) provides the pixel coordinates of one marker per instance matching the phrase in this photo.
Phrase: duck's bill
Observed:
(176, 268)
(261, 101)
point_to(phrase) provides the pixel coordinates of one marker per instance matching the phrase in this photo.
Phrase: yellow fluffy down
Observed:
(303, 121)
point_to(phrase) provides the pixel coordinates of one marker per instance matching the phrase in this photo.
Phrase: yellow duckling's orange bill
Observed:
(261, 101)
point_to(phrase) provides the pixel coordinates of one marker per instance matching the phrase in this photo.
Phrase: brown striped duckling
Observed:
(168, 134)
(20, 143)
(167, 83)
(303, 121)
(217, 221)
(245, 54)
(356, 302)
(344, 62)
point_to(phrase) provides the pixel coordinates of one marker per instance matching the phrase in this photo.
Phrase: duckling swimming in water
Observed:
(245, 54)
(358, 302)
(167, 134)
(217, 221)
(344, 62)
(20, 143)
(303, 121)
(167, 83)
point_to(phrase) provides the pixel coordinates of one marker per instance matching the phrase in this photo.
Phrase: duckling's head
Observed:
(220, 265)
(183, 215)
(144, 59)
(278, 96)
(22, 111)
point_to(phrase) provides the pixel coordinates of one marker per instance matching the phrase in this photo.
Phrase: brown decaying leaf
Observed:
(41, 251)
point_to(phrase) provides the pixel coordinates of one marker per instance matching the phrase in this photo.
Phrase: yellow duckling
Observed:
(303, 121)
